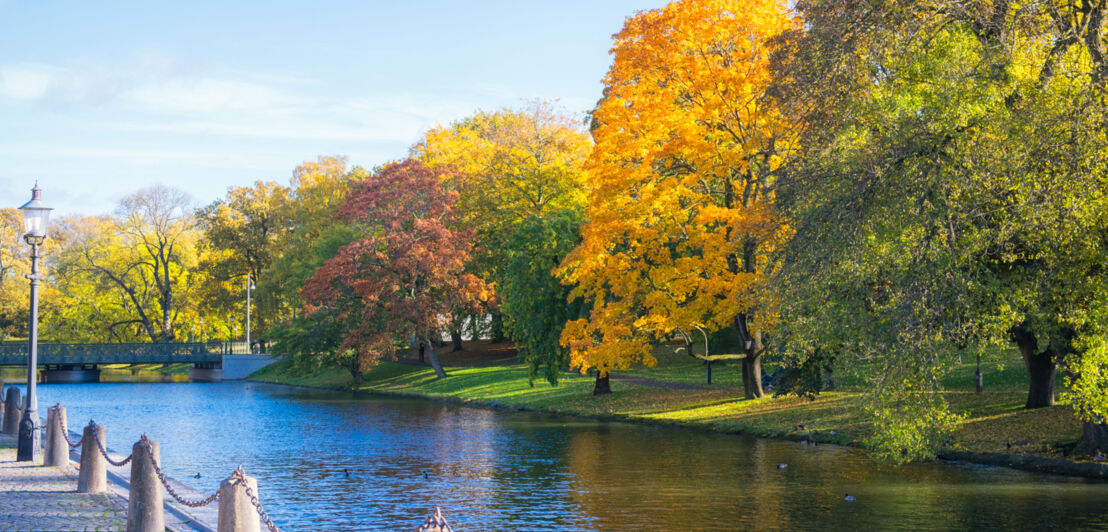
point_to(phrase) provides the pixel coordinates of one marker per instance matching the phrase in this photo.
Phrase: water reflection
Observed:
(336, 461)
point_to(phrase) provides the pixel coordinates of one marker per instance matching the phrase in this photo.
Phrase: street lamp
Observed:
(249, 287)
(35, 216)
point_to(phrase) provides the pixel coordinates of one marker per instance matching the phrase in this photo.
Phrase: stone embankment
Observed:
(36, 497)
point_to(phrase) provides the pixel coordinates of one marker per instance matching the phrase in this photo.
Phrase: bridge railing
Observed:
(135, 348)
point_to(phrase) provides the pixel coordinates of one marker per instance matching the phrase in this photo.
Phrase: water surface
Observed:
(340, 461)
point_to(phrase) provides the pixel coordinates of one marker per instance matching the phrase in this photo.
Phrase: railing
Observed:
(237, 495)
(137, 348)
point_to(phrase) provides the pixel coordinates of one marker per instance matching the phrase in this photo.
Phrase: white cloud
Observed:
(207, 95)
(26, 81)
(155, 94)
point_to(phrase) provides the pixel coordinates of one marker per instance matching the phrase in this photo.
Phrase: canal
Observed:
(340, 461)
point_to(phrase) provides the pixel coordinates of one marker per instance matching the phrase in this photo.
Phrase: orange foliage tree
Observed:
(682, 228)
(405, 273)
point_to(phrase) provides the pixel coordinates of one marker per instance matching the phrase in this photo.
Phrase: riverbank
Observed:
(996, 429)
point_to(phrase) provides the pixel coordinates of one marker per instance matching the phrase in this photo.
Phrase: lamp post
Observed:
(249, 287)
(35, 216)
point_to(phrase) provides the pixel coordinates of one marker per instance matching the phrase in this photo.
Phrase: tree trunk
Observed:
(497, 326)
(979, 377)
(1041, 369)
(474, 328)
(752, 377)
(356, 371)
(456, 338)
(603, 384)
(1094, 438)
(752, 364)
(828, 378)
(435, 360)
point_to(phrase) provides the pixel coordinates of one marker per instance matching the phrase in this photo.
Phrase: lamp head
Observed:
(35, 216)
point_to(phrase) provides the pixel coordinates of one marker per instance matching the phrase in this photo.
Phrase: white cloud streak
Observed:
(157, 96)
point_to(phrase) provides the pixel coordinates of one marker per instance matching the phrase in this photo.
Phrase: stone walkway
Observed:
(33, 497)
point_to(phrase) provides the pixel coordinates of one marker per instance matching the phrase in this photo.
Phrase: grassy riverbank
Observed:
(673, 393)
(118, 373)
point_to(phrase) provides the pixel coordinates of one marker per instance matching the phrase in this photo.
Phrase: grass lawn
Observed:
(995, 420)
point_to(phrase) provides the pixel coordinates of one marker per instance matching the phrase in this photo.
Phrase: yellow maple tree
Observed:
(508, 165)
(682, 225)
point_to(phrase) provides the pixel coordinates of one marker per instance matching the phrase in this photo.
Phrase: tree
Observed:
(127, 276)
(682, 229)
(240, 235)
(15, 262)
(508, 167)
(158, 223)
(533, 298)
(311, 234)
(944, 200)
(403, 274)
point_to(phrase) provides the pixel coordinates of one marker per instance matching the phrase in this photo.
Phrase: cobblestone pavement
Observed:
(33, 497)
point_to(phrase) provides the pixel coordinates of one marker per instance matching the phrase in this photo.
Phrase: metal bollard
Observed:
(12, 412)
(93, 477)
(236, 512)
(57, 448)
(146, 507)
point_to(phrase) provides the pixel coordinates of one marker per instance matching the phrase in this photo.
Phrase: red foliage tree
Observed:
(405, 275)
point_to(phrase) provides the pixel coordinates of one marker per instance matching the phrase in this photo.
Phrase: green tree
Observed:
(126, 277)
(945, 197)
(534, 300)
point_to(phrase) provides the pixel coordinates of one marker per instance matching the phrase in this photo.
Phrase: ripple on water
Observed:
(493, 470)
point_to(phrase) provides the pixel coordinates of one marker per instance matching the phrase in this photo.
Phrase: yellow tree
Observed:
(508, 166)
(682, 227)
(15, 263)
(308, 234)
(240, 236)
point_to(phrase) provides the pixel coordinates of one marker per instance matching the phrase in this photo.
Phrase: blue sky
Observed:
(99, 99)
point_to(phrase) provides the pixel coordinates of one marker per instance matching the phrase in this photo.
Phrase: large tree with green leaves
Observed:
(534, 300)
(947, 196)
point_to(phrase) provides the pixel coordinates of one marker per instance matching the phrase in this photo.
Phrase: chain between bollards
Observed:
(70, 442)
(240, 478)
(161, 476)
(100, 445)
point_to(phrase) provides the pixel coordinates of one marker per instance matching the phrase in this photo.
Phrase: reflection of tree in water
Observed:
(500, 470)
